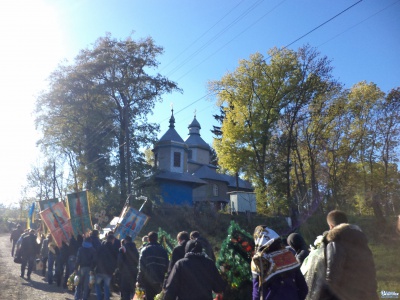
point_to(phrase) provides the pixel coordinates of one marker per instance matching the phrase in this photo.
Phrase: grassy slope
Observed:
(384, 245)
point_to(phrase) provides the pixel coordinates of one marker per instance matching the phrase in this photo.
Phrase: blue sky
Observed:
(202, 40)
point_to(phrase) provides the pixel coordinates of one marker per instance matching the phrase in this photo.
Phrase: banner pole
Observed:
(120, 215)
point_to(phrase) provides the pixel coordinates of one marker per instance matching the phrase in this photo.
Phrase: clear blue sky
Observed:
(202, 41)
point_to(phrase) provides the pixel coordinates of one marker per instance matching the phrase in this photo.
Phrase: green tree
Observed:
(95, 112)
(266, 101)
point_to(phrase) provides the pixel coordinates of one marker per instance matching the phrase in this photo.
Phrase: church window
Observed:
(177, 159)
(190, 154)
(215, 190)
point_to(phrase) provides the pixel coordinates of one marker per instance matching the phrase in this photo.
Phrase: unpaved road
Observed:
(12, 287)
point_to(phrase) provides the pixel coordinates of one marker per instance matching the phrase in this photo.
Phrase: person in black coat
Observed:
(28, 251)
(194, 277)
(179, 251)
(84, 265)
(128, 260)
(195, 235)
(350, 268)
(153, 264)
(15, 235)
(105, 267)
(297, 243)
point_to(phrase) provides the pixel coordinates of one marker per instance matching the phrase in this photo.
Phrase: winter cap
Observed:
(264, 237)
(297, 242)
(194, 246)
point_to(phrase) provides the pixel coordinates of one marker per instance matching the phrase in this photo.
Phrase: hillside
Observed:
(383, 243)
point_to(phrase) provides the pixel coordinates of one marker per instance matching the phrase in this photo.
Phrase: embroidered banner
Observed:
(130, 223)
(79, 212)
(43, 204)
(58, 223)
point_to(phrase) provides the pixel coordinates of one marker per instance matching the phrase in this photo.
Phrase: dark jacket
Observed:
(15, 234)
(194, 277)
(177, 253)
(350, 269)
(86, 256)
(73, 247)
(207, 247)
(105, 261)
(96, 242)
(64, 253)
(297, 243)
(128, 261)
(153, 264)
(29, 246)
(290, 285)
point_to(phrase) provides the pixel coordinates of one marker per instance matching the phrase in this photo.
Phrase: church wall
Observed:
(176, 193)
(200, 155)
(206, 192)
(165, 157)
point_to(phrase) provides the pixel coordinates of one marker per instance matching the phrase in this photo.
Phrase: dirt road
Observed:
(12, 287)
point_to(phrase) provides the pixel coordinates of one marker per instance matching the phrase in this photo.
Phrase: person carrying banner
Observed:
(44, 253)
(52, 256)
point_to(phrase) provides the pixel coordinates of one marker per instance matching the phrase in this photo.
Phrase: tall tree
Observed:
(265, 102)
(108, 91)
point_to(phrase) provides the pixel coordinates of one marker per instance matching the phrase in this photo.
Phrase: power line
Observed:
(204, 33)
(324, 23)
(296, 40)
(215, 37)
(236, 36)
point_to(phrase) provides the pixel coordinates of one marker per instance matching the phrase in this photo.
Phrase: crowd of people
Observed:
(341, 267)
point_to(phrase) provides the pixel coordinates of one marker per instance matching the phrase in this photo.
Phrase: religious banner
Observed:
(58, 223)
(31, 216)
(43, 204)
(130, 223)
(79, 212)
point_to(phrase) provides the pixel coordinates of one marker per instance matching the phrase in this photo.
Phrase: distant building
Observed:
(185, 175)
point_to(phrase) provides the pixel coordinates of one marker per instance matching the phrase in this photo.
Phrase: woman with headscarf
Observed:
(297, 243)
(276, 272)
(193, 277)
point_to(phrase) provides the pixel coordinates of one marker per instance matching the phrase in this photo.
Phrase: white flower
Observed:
(318, 241)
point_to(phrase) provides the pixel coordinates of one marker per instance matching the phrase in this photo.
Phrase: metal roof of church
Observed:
(183, 177)
(171, 135)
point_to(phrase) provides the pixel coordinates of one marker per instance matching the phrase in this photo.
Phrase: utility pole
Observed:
(128, 149)
(54, 180)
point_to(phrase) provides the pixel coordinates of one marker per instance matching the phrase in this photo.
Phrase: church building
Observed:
(185, 174)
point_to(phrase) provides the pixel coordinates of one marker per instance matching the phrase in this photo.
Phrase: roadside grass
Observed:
(387, 264)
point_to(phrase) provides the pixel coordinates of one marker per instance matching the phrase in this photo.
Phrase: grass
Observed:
(387, 264)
